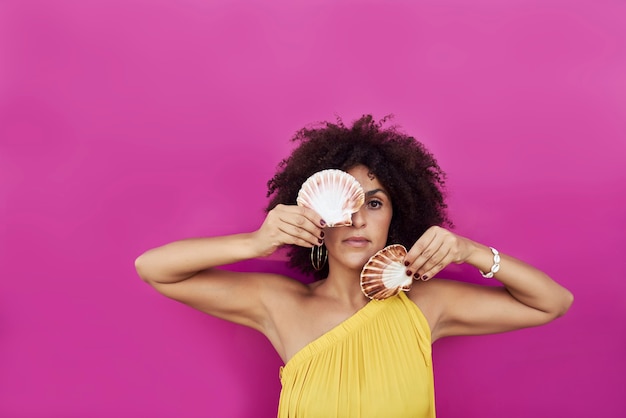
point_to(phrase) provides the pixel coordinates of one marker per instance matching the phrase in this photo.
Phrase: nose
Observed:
(358, 219)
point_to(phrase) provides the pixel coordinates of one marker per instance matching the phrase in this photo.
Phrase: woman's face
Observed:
(353, 245)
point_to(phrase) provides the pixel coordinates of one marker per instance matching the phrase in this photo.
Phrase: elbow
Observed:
(565, 302)
(569, 300)
(150, 270)
(140, 267)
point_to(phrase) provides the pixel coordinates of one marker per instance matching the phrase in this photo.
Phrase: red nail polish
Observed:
(406, 263)
(424, 277)
(322, 234)
(409, 273)
(322, 222)
(320, 240)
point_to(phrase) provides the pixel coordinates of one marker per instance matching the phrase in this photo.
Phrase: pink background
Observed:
(125, 124)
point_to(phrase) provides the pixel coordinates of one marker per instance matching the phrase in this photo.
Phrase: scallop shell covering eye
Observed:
(384, 275)
(334, 194)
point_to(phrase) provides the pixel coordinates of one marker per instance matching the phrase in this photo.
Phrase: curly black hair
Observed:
(407, 170)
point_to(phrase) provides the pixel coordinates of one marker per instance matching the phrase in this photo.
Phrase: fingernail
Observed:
(320, 240)
(322, 222)
(406, 263)
(409, 273)
(416, 276)
(424, 277)
(322, 234)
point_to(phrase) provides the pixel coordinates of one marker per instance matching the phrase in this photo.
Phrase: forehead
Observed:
(365, 177)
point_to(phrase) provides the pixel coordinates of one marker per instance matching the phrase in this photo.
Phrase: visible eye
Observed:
(374, 204)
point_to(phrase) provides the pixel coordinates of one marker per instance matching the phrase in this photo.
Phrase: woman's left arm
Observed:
(529, 296)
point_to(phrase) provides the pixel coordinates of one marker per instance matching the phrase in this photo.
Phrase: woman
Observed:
(344, 354)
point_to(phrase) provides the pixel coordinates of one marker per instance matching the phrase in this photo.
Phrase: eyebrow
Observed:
(373, 192)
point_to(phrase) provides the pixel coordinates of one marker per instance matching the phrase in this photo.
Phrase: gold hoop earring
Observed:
(319, 255)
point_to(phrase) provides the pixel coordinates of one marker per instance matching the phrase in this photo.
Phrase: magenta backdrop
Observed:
(125, 124)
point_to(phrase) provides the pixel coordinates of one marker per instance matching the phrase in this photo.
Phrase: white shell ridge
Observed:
(334, 194)
(384, 275)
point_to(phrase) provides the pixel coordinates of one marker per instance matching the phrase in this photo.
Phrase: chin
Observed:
(357, 264)
(355, 260)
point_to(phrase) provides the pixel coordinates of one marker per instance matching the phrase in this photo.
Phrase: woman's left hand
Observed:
(434, 250)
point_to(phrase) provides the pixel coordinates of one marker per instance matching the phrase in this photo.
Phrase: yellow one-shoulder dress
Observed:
(377, 363)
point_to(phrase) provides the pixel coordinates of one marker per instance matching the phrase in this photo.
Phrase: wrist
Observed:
(254, 246)
(482, 258)
(495, 267)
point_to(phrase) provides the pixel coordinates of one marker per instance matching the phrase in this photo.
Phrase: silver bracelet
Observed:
(496, 264)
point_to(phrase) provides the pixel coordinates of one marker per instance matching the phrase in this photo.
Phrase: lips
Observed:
(356, 241)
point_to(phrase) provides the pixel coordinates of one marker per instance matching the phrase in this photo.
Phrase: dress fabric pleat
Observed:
(377, 363)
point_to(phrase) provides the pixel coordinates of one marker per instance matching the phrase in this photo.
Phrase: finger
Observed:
(296, 225)
(302, 228)
(437, 255)
(288, 225)
(303, 218)
(424, 253)
(435, 264)
(420, 245)
(311, 215)
(429, 256)
(300, 216)
(292, 234)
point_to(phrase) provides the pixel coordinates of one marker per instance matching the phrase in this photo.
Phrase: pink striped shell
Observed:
(334, 194)
(384, 275)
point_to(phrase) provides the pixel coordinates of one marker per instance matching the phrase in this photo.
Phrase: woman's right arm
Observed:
(180, 260)
(186, 270)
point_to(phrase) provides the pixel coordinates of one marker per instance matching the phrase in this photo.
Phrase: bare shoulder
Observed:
(294, 314)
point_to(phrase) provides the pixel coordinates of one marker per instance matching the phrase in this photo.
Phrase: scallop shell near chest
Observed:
(334, 194)
(384, 275)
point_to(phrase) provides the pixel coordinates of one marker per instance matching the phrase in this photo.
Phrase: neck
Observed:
(344, 285)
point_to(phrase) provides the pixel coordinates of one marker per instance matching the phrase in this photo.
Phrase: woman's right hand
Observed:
(289, 224)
